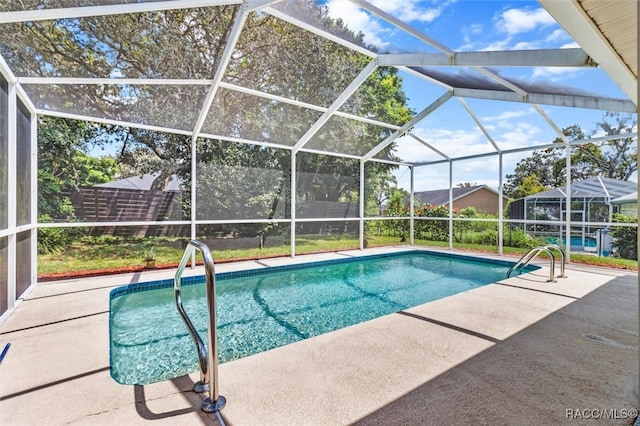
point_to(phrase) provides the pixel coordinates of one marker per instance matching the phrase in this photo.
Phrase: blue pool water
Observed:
(576, 241)
(262, 309)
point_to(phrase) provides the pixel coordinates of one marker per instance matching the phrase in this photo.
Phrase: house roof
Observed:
(143, 183)
(439, 197)
(626, 199)
(595, 187)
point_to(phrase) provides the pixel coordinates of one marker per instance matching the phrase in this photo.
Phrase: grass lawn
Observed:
(123, 254)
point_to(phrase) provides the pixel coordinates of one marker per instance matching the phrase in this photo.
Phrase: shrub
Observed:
(625, 239)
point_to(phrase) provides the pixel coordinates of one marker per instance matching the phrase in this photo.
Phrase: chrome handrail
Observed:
(208, 364)
(530, 256)
(562, 257)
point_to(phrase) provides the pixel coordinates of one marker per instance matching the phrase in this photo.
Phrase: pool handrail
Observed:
(530, 256)
(208, 362)
(562, 257)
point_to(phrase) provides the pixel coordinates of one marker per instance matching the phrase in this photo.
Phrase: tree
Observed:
(271, 56)
(529, 186)
(63, 165)
(547, 164)
(614, 158)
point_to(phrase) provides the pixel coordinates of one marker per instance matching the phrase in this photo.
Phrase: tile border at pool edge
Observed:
(267, 269)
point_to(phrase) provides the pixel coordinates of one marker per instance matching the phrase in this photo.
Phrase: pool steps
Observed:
(208, 362)
(533, 253)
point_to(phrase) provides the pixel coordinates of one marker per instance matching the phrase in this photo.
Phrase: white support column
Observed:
(450, 205)
(411, 208)
(293, 204)
(361, 229)
(12, 201)
(500, 207)
(568, 204)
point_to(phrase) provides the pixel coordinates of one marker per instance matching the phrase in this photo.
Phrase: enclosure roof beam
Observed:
(551, 123)
(425, 77)
(6, 71)
(421, 36)
(404, 27)
(351, 88)
(317, 31)
(577, 101)
(110, 9)
(113, 122)
(431, 147)
(495, 77)
(252, 5)
(192, 82)
(479, 124)
(511, 58)
(304, 105)
(116, 81)
(530, 148)
(408, 125)
(589, 33)
(234, 36)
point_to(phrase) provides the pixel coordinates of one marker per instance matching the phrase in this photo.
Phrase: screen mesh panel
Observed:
(55, 4)
(4, 283)
(23, 170)
(4, 154)
(231, 241)
(184, 43)
(326, 186)
(238, 115)
(313, 237)
(23, 262)
(239, 181)
(164, 106)
(377, 41)
(276, 57)
(343, 135)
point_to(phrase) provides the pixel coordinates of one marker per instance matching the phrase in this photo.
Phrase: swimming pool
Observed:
(577, 242)
(262, 309)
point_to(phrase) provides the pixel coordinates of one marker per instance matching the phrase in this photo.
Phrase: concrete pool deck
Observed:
(521, 351)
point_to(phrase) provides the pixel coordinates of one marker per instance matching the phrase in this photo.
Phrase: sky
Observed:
(476, 25)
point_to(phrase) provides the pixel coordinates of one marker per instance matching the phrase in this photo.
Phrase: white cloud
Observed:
(358, 21)
(409, 10)
(509, 115)
(557, 35)
(516, 21)
(554, 73)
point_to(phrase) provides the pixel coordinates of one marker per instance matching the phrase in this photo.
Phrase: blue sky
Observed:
(476, 25)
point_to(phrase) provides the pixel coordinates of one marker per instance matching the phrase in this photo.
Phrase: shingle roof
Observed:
(143, 183)
(439, 197)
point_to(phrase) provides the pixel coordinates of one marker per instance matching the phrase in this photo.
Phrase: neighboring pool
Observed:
(576, 241)
(262, 309)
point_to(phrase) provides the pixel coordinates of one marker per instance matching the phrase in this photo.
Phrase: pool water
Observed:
(263, 309)
(576, 241)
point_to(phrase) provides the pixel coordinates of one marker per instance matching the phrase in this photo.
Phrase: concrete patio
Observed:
(521, 351)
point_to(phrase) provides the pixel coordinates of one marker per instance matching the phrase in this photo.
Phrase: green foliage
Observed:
(63, 165)
(434, 230)
(625, 242)
(55, 240)
(614, 158)
(530, 185)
